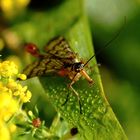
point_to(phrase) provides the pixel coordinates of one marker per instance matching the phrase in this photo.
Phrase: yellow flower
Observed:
(6, 5)
(8, 69)
(4, 132)
(14, 58)
(3, 88)
(12, 95)
(26, 97)
(22, 76)
(12, 128)
(12, 7)
(8, 106)
(19, 91)
(11, 85)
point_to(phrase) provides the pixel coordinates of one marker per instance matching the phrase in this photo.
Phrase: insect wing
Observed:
(43, 66)
(58, 55)
(60, 48)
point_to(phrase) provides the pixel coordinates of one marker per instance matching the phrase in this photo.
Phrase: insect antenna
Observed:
(108, 43)
(105, 46)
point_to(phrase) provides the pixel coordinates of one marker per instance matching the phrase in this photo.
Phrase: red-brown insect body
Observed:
(63, 72)
(74, 74)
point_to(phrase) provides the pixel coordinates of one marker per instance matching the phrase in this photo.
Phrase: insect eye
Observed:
(78, 66)
(32, 49)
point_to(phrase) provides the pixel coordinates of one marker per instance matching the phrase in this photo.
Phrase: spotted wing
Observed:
(59, 55)
(60, 48)
(43, 66)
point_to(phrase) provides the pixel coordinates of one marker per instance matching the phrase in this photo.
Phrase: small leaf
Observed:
(25, 133)
(36, 112)
(21, 125)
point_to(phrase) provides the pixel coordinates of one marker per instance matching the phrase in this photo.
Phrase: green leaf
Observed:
(36, 112)
(97, 120)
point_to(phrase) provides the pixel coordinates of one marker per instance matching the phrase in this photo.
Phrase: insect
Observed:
(59, 58)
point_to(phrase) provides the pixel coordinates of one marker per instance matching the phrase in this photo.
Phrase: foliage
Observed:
(97, 120)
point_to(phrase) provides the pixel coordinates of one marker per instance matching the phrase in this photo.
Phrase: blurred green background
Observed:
(120, 63)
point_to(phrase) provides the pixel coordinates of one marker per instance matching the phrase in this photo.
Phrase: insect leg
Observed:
(66, 99)
(74, 79)
(75, 92)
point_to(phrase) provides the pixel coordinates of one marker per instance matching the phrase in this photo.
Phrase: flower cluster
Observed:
(12, 95)
(10, 7)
